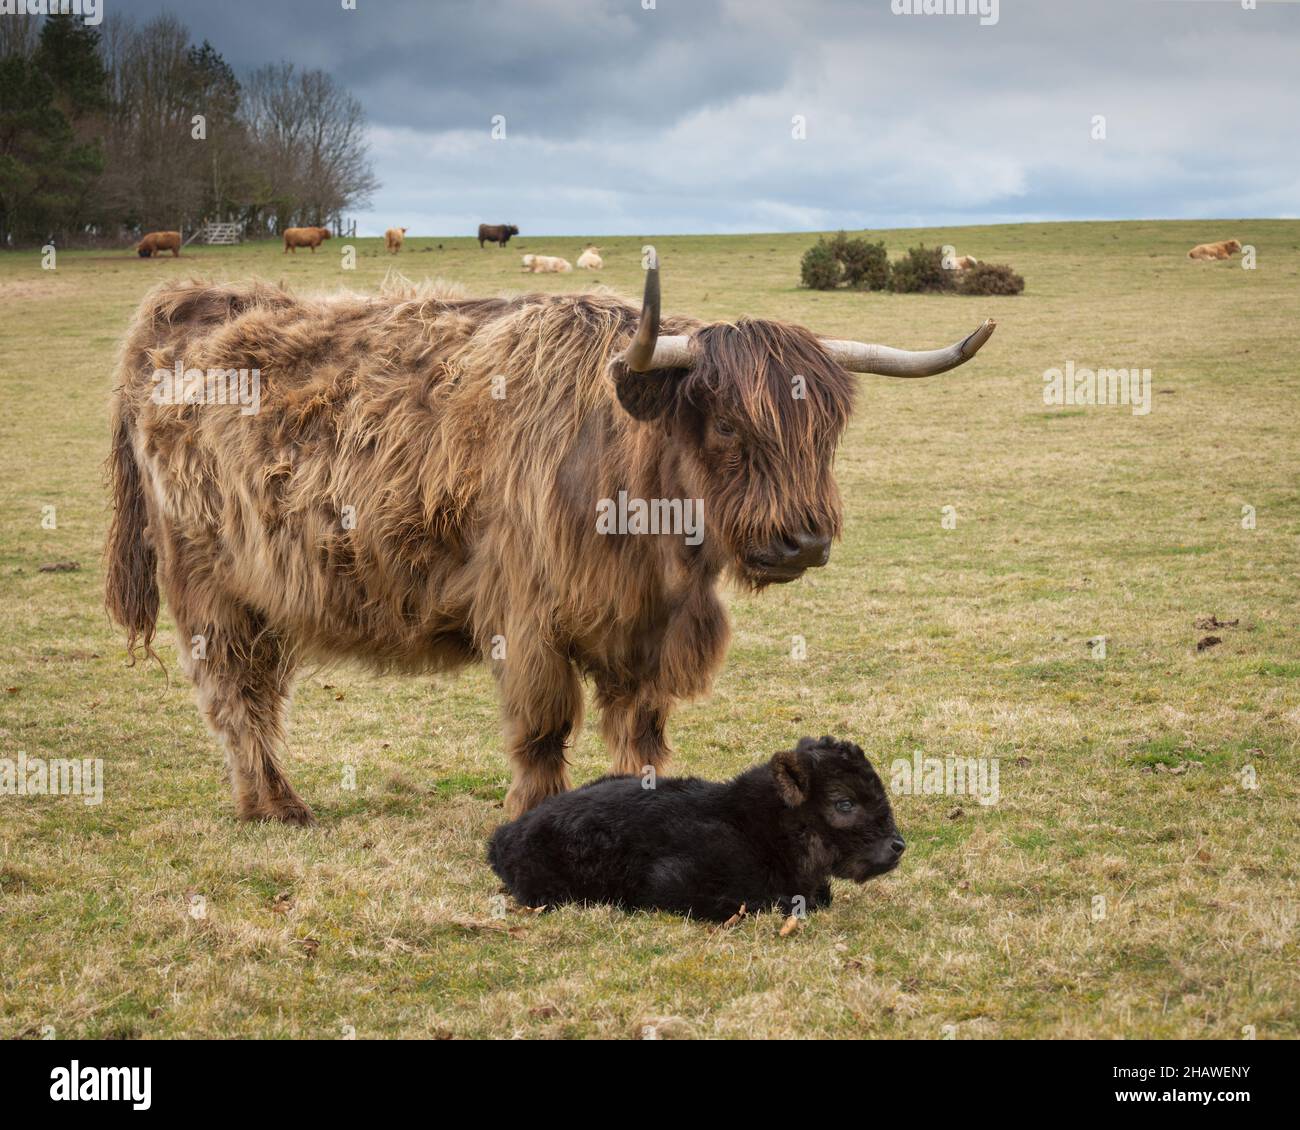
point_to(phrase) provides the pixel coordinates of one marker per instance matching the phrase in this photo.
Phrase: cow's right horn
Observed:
(648, 350)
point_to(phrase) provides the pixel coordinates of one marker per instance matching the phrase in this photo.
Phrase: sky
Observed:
(628, 117)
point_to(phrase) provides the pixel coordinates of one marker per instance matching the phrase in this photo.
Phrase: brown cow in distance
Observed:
(495, 233)
(387, 504)
(304, 237)
(1224, 249)
(393, 240)
(157, 241)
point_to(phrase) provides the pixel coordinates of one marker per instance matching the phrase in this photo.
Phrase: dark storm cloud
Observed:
(679, 118)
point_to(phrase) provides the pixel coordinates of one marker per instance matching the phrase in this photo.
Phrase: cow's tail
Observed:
(131, 575)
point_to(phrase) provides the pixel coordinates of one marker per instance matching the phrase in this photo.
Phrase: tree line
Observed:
(107, 132)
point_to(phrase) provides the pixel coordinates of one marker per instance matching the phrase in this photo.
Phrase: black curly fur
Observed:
(773, 836)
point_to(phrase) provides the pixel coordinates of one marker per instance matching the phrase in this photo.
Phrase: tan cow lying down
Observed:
(160, 241)
(590, 259)
(965, 262)
(304, 237)
(1224, 249)
(546, 264)
(393, 239)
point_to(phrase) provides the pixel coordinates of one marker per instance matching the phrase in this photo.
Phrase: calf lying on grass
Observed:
(771, 837)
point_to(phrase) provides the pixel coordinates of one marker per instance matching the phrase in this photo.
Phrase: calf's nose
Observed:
(898, 845)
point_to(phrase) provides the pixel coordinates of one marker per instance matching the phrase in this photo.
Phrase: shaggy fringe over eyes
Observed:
(750, 367)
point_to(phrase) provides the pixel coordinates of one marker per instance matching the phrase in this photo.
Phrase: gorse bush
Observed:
(841, 261)
(990, 278)
(845, 262)
(921, 271)
(865, 265)
(820, 270)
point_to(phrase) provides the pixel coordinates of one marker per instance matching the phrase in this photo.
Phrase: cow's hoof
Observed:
(283, 810)
(527, 793)
(296, 813)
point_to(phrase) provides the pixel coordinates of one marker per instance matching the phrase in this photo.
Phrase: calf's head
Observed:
(840, 806)
(755, 410)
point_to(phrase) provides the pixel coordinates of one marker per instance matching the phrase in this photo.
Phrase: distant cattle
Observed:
(546, 265)
(393, 239)
(1224, 249)
(160, 241)
(304, 237)
(965, 262)
(590, 259)
(496, 233)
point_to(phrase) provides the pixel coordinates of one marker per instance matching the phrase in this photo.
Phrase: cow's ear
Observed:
(792, 769)
(644, 396)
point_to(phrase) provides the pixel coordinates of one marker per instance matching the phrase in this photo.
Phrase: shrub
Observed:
(820, 269)
(866, 265)
(991, 278)
(921, 271)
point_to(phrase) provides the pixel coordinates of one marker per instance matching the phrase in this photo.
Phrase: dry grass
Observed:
(1119, 777)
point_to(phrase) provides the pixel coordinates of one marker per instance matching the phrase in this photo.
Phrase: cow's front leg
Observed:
(633, 728)
(542, 700)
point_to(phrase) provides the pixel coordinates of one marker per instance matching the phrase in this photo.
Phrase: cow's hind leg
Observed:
(243, 673)
(542, 699)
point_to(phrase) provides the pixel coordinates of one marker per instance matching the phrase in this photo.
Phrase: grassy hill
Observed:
(1120, 777)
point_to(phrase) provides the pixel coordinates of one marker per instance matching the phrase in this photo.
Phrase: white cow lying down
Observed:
(544, 264)
(590, 259)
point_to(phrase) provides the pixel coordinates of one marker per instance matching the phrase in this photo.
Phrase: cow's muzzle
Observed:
(787, 558)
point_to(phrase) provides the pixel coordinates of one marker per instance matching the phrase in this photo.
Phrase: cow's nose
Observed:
(899, 845)
(805, 551)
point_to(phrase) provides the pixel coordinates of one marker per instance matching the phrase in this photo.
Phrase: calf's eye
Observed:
(843, 806)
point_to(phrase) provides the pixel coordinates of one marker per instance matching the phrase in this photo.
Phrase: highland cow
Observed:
(590, 259)
(546, 265)
(157, 241)
(295, 238)
(393, 240)
(774, 836)
(1224, 249)
(387, 503)
(495, 233)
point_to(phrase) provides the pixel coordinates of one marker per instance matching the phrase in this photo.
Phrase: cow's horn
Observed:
(648, 350)
(862, 357)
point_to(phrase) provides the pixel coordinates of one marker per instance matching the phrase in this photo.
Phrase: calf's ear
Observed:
(793, 773)
(644, 396)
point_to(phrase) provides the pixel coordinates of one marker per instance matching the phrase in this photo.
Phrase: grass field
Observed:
(155, 914)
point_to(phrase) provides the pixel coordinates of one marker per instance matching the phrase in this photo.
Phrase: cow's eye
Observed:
(723, 430)
(843, 806)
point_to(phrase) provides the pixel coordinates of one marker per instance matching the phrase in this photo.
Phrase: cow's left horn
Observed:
(862, 357)
(648, 350)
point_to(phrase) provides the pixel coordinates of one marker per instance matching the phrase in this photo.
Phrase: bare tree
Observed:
(308, 137)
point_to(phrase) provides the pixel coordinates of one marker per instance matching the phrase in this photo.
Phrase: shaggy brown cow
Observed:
(304, 237)
(159, 241)
(395, 502)
(1224, 249)
(393, 239)
(495, 233)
